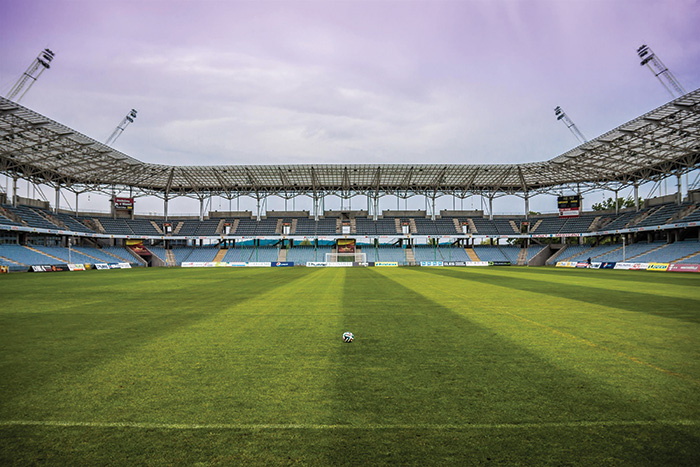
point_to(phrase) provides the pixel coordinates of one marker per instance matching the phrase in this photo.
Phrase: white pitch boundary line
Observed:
(317, 426)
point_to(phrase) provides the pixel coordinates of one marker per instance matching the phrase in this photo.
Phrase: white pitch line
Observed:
(317, 426)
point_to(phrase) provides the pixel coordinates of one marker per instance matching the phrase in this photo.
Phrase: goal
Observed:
(346, 257)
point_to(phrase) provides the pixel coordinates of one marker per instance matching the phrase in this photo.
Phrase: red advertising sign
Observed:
(684, 267)
(124, 203)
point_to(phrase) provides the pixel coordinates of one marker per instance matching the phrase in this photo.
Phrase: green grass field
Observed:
(462, 366)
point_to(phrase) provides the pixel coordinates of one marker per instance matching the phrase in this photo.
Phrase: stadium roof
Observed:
(660, 143)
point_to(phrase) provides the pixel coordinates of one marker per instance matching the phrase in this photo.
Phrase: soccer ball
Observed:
(348, 337)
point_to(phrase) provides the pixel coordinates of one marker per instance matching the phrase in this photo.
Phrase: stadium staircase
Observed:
(98, 225)
(692, 255)
(12, 216)
(353, 226)
(178, 227)
(640, 218)
(278, 226)
(608, 252)
(472, 254)
(170, 258)
(157, 227)
(8, 260)
(555, 257)
(522, 257)
(220, 256)
(282, 255)
(53, 219)
(684, 212)
(537, 224)
(458, 227)
(412, 226)
(647, 252)
(515, 227)
(45, 254)
(472, 226)
(293, 228)
(220, 226)
(339, 225)
(397, 225)
(410, 256)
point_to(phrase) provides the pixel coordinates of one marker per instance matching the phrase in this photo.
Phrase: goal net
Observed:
(346, 257)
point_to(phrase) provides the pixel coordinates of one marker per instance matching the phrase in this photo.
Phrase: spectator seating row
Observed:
(657, 215)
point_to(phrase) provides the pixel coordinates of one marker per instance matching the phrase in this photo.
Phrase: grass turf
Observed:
(450, 366)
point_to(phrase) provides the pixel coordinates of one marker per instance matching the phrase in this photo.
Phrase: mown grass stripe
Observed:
(371, 426)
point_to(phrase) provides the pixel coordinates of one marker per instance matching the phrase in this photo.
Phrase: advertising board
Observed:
(684, 267)
(657, 267)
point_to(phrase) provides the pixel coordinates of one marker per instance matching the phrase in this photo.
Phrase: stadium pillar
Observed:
(527, 206)
(76, 203)
(432, 215)
(58, 198)
(201, 209)
(636, 196)
(165, 207)
(490, 207)
(617, 205)
(14, 192)
(679, 197)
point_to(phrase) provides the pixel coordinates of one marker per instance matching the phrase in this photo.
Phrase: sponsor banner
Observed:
(322, 264)
(368, 264)
(257, 264)
(281, 264)
(490, 263)
(124, 265)
(4, 269)
(236, 264)
(566, 264)
(49, 268)
(101, 266)
(684, 267)
(595, 265)
(608, 265)
(431, 263)
(386, 264)
(582, 264)
(454, 263)
(657, 267)
(631, 266)
(76, 267)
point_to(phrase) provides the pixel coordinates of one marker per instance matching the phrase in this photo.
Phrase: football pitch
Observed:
(450, 366)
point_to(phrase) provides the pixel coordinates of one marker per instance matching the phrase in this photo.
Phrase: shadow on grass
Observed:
(679, 308)
(415, 362)
(43, 351)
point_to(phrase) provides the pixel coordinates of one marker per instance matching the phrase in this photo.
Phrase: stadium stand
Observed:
(121, 254)
(25, 255)
(64, 255)
(304, 254)
(489, 253)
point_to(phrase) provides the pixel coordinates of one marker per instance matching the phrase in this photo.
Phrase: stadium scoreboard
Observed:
(126, 204)
(569, 206)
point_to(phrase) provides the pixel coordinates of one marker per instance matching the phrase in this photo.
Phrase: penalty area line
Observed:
(318, 426)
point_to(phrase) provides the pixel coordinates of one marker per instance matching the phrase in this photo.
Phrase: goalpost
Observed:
(346, 257)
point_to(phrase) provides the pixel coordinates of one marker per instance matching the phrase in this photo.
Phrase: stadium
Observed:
(570, 337)
(659, 145)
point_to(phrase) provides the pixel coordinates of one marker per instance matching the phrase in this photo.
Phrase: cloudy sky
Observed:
(226, 82)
